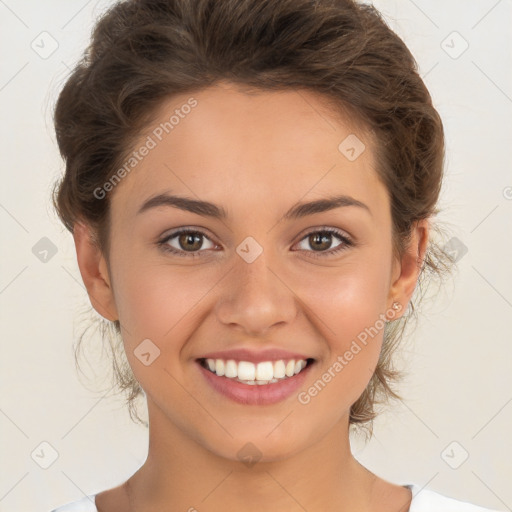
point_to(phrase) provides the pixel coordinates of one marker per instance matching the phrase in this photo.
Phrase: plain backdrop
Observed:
(60, 440)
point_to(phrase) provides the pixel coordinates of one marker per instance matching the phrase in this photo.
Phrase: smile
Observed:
(263, 373)
(255, 383)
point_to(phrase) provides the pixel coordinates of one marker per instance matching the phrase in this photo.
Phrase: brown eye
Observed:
(320, 241)
(186, 241)
(190, 241)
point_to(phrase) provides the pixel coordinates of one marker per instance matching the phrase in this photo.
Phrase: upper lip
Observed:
(254, 356)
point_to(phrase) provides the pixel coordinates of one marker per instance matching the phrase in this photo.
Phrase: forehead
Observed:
(228, 143)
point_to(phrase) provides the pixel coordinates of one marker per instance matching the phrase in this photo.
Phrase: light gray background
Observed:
(459, 386)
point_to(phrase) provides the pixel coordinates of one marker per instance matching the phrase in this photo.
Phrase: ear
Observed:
(409, 266)
(94, 271)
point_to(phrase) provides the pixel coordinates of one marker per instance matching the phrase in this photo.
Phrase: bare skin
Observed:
(256, 155)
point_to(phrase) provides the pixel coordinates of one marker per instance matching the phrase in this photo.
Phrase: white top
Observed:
(423, 500)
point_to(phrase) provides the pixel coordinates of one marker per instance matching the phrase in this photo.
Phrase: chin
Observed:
(258, 446)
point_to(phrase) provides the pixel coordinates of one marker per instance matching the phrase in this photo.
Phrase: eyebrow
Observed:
(207, 209)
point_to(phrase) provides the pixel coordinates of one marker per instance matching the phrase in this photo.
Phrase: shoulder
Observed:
(86, 504)
(425, 500)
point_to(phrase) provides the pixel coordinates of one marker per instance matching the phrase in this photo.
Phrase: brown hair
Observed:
(143, 52)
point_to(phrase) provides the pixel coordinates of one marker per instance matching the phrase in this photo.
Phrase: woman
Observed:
(250, 186)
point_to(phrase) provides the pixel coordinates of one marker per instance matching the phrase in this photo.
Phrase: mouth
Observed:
(250, 383)
(264, 373)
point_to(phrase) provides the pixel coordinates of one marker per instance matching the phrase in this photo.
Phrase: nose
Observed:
(256, 297)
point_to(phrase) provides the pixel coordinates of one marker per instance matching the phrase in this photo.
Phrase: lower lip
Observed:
(256, 394)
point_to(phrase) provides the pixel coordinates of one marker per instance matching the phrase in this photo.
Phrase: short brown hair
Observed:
(144, 51)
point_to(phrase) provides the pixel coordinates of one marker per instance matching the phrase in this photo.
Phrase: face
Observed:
(265, 282)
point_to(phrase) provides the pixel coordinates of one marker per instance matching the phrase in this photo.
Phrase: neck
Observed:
(181, 474)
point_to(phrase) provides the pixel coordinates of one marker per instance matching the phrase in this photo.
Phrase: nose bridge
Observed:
(255, 296)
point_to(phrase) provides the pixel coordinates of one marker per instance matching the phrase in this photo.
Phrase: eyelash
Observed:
(315, 254)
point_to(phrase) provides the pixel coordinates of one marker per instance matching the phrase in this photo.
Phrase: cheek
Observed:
(347, 299)
(159, 302)
(349, 305)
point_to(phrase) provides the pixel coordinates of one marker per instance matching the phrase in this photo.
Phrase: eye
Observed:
(187, 241)
(321, 240)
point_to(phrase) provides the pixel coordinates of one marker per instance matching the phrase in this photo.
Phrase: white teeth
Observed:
(246, 371)
(299, 365)
(231, 369)
(219, 367)
(279, 369)
(290, 368)
(266, 372)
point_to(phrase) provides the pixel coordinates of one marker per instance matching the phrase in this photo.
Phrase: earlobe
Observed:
(411, 263)
(94, 271)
